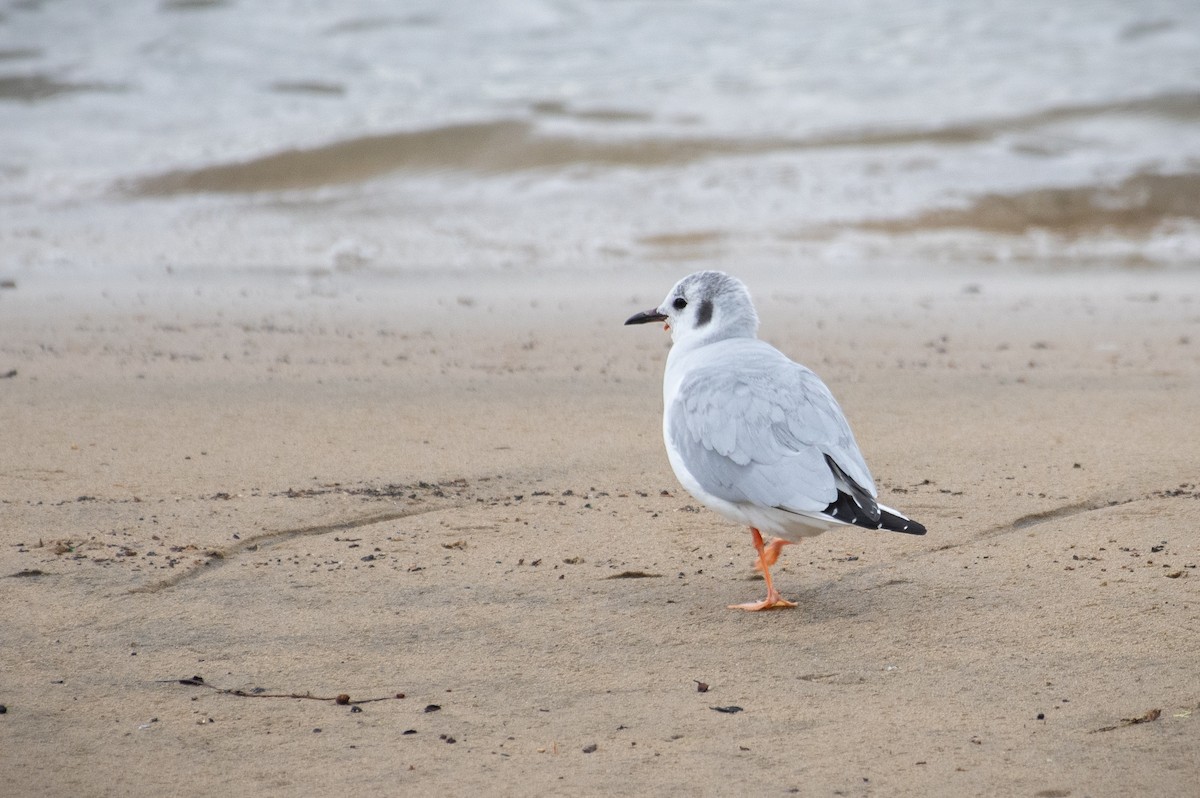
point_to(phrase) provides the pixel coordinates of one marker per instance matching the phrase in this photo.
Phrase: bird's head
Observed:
(705, 306)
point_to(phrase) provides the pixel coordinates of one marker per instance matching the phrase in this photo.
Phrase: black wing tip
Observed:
(846, 510)
(895, 523)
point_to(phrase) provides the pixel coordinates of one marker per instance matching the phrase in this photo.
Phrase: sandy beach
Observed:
(449, 503)
(327, 466)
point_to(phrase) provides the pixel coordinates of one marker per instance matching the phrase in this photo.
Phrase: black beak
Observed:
(646, 316)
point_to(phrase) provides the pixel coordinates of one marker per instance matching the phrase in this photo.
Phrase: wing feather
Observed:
(752, 426)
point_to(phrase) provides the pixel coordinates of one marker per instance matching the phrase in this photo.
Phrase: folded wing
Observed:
(755, 427)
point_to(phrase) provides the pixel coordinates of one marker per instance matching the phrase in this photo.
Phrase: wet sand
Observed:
(459, 494)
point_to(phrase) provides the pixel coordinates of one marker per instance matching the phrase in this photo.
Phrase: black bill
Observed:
(646, 316)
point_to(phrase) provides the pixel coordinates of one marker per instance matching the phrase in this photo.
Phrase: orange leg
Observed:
(770, 553)
(773, 599)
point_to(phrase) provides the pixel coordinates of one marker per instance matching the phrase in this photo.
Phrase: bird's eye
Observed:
(680, 303)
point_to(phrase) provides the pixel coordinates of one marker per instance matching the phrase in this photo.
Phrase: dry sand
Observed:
(459, 494)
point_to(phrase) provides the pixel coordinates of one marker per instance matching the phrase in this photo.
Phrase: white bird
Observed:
(753, 435)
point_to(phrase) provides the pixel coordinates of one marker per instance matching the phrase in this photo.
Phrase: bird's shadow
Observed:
(852, 596)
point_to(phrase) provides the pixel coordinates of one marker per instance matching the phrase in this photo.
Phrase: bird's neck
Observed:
(679, 359)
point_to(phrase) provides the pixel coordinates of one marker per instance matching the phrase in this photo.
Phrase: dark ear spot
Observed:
(704, 314)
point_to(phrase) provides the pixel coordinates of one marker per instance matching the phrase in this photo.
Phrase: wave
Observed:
(504, 146)
(1183, 107)
(36, 87)
(1136, 205)
(486, 147)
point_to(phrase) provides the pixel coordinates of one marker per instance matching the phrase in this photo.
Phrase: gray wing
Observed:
(752, 426)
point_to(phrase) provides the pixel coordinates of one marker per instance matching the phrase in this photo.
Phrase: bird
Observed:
(753, 435)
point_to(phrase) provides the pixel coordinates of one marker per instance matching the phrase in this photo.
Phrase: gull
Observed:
(753, 435)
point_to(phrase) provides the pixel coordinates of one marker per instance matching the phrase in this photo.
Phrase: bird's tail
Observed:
(898, 522)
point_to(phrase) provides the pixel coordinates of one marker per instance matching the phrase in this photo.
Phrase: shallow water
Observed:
(225, 137)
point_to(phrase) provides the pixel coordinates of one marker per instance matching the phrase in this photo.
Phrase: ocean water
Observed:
(219, 137)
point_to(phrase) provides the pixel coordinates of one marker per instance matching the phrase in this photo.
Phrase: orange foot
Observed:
(770, 553)
(773, 599)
